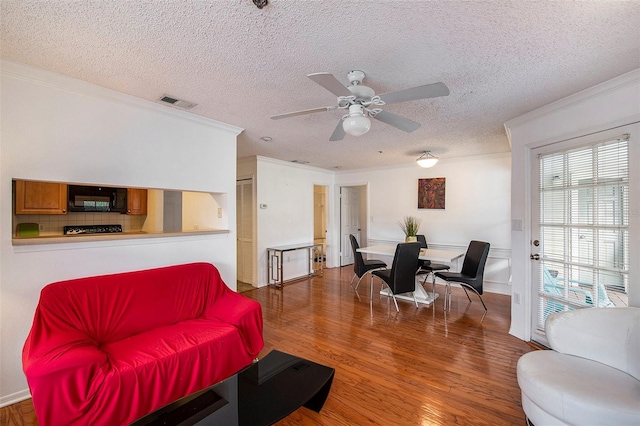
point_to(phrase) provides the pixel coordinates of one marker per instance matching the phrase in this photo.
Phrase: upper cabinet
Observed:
(40, 197)
(136, 201)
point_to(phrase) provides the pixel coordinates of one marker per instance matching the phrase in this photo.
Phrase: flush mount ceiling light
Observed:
(356, 124)
(427, 160)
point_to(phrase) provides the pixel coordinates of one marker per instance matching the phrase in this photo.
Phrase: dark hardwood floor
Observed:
(415, 367)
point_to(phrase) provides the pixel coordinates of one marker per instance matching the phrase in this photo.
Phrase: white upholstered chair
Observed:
(592, 374)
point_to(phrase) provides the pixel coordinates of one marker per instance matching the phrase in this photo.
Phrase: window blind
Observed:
(584, 226)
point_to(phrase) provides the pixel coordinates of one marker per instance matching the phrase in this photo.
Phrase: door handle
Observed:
(535, 256)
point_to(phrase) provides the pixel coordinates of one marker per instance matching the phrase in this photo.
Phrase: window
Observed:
(584, 227)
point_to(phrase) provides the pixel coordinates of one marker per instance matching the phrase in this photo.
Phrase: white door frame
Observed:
(634, 211)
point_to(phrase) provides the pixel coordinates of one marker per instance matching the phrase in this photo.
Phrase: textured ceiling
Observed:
(242, 64)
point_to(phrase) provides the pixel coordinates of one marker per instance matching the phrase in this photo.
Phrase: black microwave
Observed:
(84, 198)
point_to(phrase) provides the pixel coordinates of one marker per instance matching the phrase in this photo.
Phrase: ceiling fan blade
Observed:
(420, 92)
(329, 82)
(397, 121)
(303, 112)
(339, 133)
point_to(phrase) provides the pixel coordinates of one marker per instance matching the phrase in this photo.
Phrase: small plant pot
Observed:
(411, 239)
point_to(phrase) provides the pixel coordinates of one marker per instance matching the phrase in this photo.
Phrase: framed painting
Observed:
(431, 193)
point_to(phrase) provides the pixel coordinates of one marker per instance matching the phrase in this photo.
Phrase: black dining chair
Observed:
(426, 267)
(361, 266)
(472, 274)
(401, 278)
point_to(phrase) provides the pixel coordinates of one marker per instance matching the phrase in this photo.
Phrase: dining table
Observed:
(435, 255)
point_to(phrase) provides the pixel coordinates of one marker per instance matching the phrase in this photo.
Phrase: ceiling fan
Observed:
(361, 101)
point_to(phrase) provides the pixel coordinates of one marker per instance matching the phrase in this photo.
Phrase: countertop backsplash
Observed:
(53, 224)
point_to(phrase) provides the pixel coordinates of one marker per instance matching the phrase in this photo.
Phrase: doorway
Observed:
(353, 201)
(244, 226)
(580, 245)
(320, 221)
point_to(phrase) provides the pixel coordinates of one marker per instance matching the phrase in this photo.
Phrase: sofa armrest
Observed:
(64, 379)
(72, 357)
(243, 313)
(610, 336)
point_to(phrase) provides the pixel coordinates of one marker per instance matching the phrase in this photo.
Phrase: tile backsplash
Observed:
(52, 224)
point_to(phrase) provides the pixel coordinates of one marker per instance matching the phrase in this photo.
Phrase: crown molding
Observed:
(262, 159)
(615, 84)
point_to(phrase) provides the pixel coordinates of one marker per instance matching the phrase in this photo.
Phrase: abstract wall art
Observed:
(431, 193)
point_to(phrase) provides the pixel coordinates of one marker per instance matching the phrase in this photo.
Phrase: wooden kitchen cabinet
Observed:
(40, 197)
(136, 201)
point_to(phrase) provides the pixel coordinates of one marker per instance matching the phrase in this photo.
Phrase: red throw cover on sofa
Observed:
(110, 349)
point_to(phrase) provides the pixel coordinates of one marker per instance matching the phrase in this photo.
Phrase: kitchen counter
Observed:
(62, 239)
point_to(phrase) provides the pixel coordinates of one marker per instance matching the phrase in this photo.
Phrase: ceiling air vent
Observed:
(179, 103)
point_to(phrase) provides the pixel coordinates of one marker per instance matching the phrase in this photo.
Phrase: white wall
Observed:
(202, 210)
(59, 129)
(477, 207)
(287, 190)
(605, 106)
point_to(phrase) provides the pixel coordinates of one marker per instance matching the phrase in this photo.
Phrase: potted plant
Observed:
(410, 226)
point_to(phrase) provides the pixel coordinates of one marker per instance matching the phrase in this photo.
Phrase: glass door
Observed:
(580, 226)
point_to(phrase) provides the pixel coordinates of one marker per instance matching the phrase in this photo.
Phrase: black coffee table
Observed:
(261, 394)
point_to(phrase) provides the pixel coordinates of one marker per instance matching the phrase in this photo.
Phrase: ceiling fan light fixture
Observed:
(427, 160)
(356, 124)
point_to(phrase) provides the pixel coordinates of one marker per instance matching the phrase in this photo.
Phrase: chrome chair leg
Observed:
(433, 287)
(446, 288)
(476, 292)
(395, 302)
(370, 273)
(371, 288)
(466, 292)
(358, 283)
(351, 282)
(447, 296)
(413, 293)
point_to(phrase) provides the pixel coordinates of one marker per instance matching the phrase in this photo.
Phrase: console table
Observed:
(275, 273)
(261, 394)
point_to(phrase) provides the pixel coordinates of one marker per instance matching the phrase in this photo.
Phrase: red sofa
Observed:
(110, 349)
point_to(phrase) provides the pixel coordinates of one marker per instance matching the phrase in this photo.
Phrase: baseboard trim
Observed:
(497, 287)
(14, 398)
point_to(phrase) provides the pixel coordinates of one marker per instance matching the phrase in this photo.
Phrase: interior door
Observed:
(244, 225)
(580, 225)
(349, 222)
